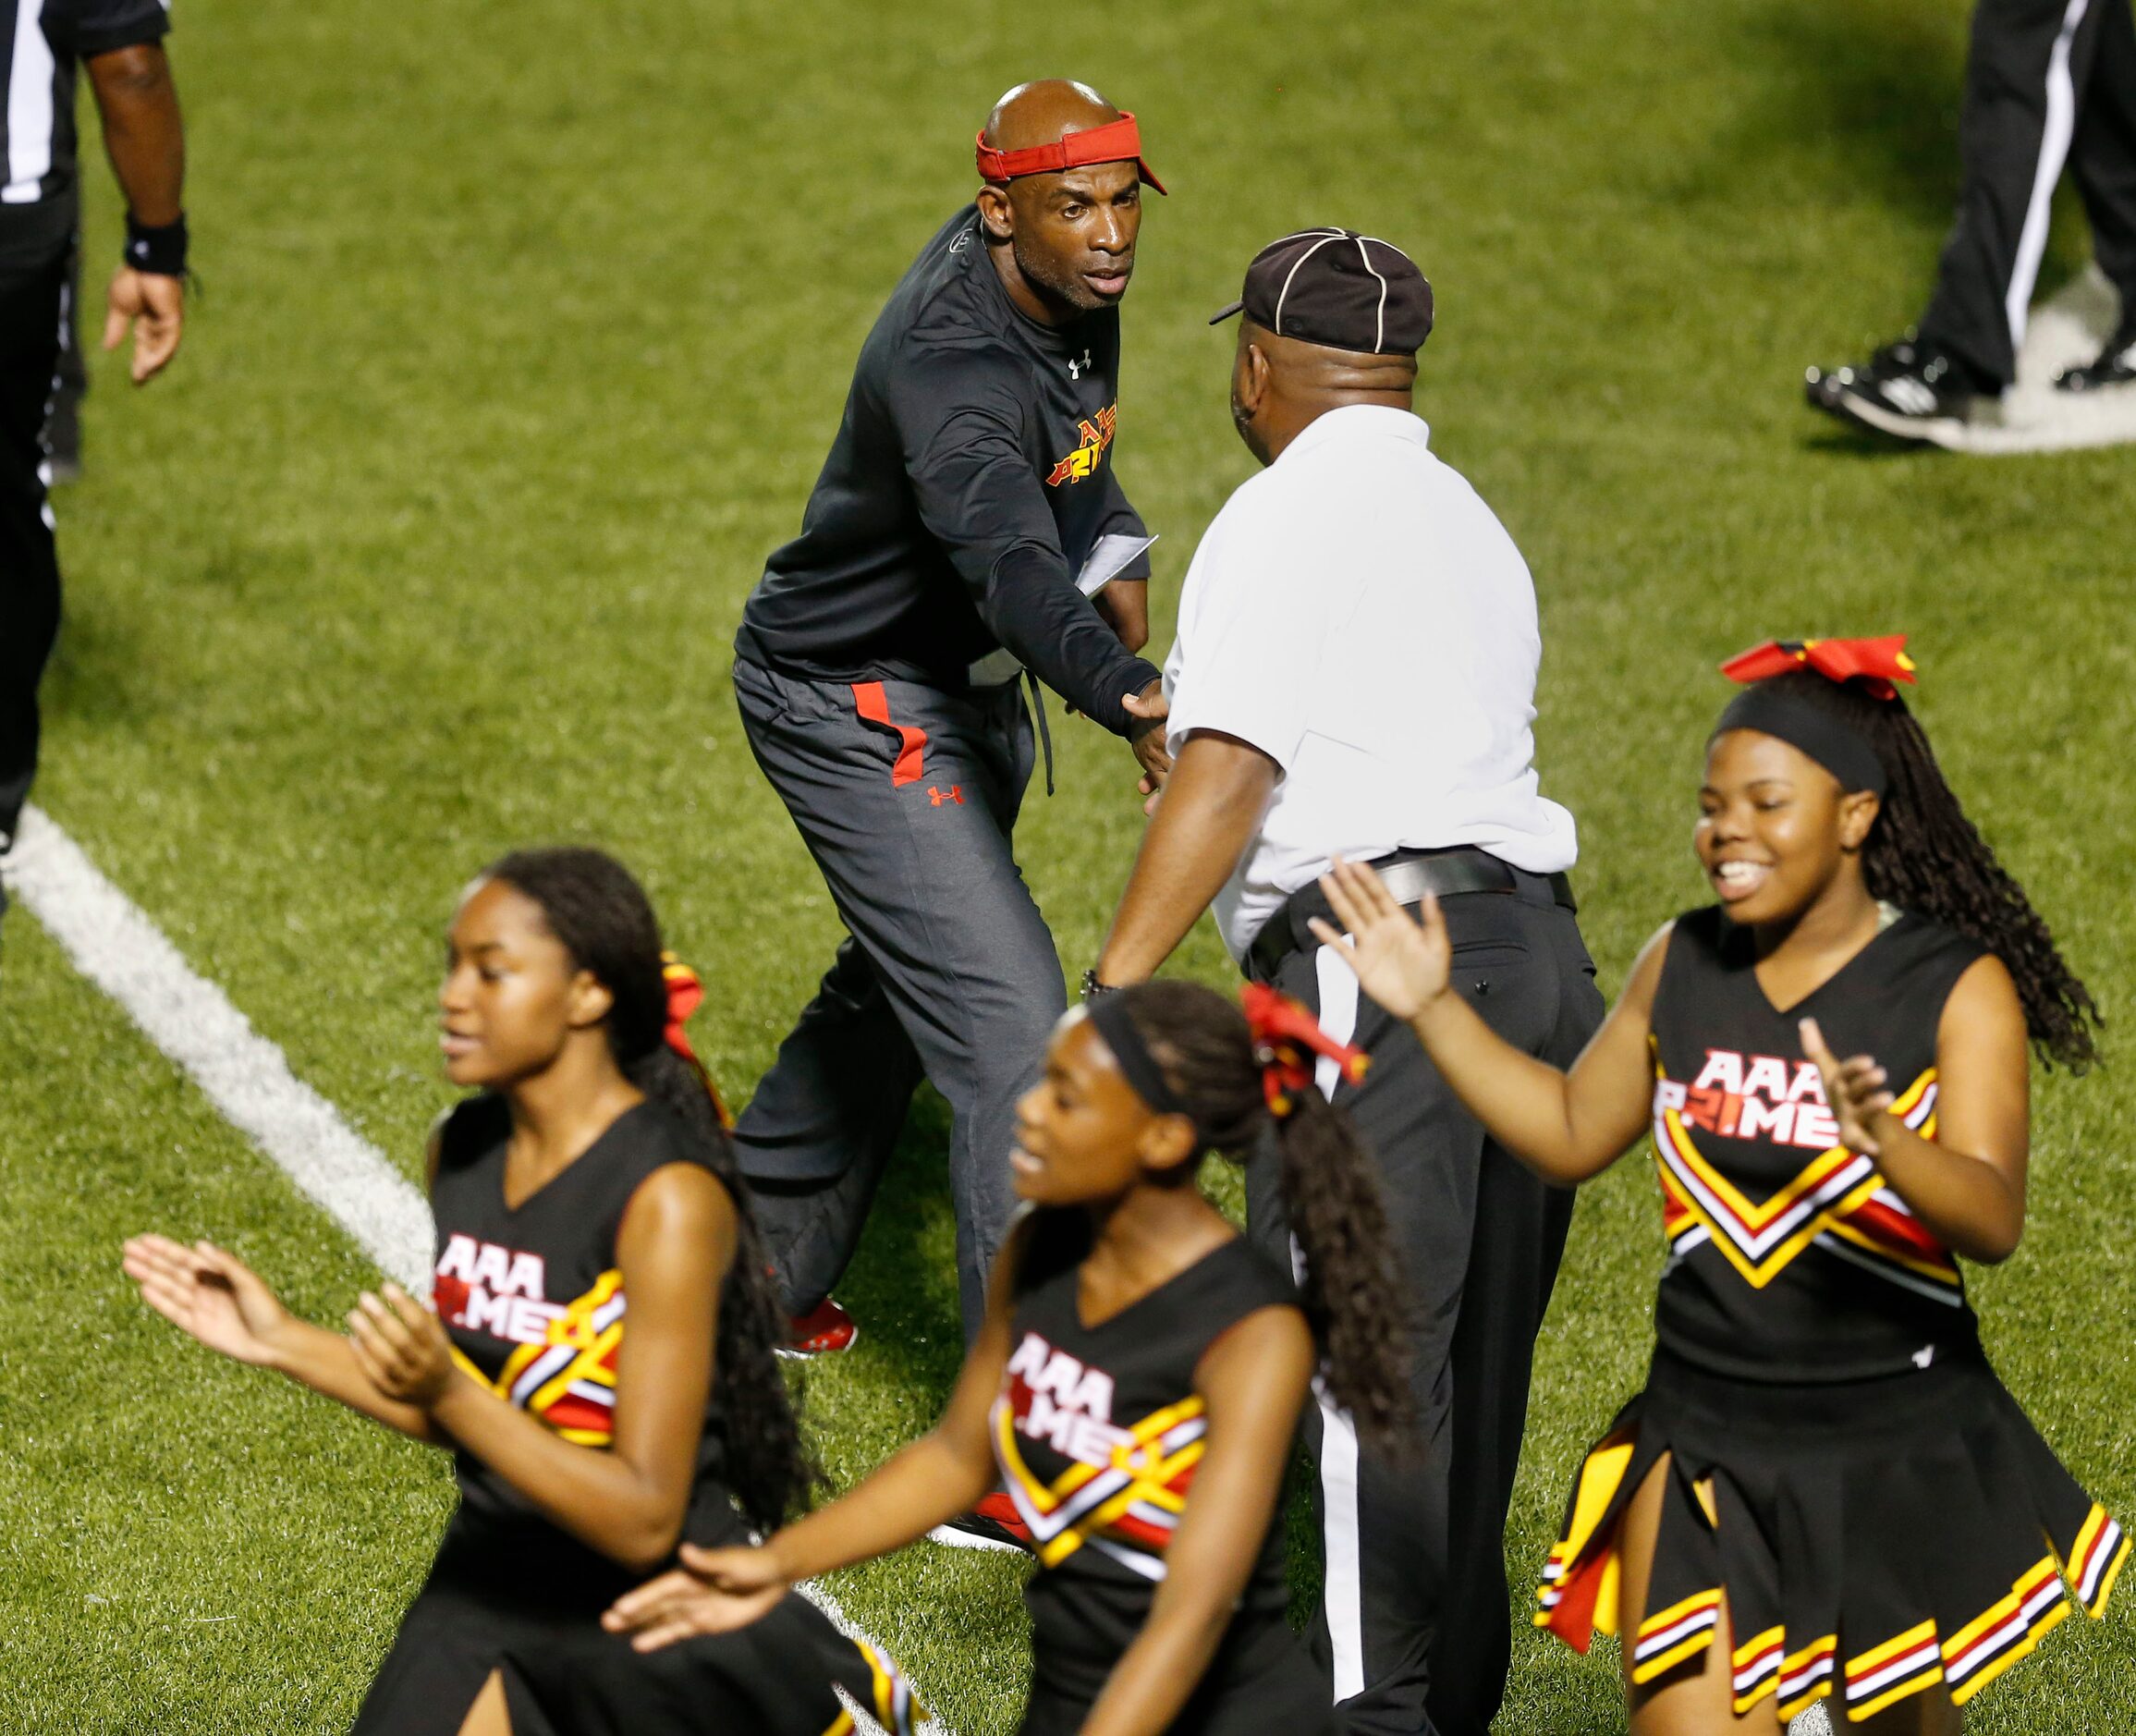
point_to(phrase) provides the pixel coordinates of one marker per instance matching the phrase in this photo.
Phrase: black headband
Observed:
(1132, 1054)
(1835, 745)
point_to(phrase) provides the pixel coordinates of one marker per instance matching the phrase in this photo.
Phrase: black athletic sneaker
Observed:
(1904, 390)
(2116, 365)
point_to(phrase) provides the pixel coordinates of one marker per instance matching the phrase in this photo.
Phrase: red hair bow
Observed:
(685, 995)
(1286, 1038)
(1876, 663)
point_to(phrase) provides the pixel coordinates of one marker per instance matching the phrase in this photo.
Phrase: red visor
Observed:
(1117, 141)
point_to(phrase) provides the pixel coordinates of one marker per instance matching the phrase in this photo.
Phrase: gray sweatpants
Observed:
(906, 796)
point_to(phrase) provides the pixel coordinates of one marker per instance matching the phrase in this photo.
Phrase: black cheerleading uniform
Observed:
(1846, 1470)
(532, 1299)
(1097, 1431)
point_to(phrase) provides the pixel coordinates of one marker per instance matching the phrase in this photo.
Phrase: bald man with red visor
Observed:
(966, 533)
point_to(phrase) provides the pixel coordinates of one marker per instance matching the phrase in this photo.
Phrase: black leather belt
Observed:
(1407, 874)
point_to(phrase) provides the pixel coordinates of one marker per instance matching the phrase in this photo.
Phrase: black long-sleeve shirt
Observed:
(970, 480)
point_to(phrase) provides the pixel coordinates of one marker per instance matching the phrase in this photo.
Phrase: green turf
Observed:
(525, 330)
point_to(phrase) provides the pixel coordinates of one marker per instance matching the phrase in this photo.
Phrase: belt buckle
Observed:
(998, 666)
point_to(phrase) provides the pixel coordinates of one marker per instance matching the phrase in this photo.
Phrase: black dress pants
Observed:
(2048, 83)
(32, 301)
(1413, 1624)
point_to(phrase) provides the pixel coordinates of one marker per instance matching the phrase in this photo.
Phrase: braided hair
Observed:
(1923, 855)
(601, 916)
(1331, 1195)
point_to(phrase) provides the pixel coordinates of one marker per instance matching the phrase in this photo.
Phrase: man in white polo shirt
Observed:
(1355, 676)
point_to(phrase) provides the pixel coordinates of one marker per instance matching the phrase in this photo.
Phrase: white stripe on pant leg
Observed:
(1344, 1595)
(30, 117)
(2062, 126)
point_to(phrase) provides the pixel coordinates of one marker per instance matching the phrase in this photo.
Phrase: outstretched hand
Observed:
(715, 1591)
(1150, 708)
(1403, 965)
(1856, 1091)
(209, 1295)
(401, 1347)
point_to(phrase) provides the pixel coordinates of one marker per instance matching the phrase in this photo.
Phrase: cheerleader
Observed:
(1138, 1380)
(599, 1355)
(1824, 1488)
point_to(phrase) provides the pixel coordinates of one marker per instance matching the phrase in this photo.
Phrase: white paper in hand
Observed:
(1109, 559)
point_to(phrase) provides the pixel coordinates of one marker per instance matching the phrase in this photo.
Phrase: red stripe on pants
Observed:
(872, 703)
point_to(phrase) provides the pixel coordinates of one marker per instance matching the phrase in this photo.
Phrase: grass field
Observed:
(523, 334)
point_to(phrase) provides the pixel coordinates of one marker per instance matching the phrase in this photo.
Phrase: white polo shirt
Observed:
(1358, 614)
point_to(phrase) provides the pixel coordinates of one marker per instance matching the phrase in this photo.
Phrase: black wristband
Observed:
(161, 251)
(1092, 989)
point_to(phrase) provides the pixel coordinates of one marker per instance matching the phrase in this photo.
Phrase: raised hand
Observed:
(211, 1296)
(401, 1346)
(715, 1591)
(1855, 1091)
(1402, 964)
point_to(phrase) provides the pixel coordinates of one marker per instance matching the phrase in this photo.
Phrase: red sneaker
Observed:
(824, 1331)
(993, 1524)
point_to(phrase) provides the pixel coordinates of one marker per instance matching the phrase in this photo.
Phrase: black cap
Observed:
(1338, 288)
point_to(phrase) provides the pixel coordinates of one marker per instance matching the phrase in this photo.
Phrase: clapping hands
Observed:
(211, 1296)
(401, 1347)
(1856, 1091)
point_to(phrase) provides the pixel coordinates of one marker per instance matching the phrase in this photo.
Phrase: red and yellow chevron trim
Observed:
(2095, 1559)
(1671, 1635)
(1754, 1667)
(1886, 1674)
(1984, 1647)
(1578, 1596)
(1695, 1192)
(1159, 1486)
(568, 1380)
(1805, 1677)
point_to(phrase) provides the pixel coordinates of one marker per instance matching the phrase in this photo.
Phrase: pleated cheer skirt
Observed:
(1864, 1540)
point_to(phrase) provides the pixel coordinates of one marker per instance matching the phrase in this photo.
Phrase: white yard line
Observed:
(115, 945)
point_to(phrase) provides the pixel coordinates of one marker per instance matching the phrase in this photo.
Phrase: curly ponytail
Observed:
(1352, 1276)
(1925, 855)
(601, 914)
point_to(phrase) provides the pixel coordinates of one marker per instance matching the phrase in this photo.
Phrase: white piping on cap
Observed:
(1380, 317)
(1336, 235)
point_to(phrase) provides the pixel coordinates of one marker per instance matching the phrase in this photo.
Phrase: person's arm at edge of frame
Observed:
(144, 137)
(1967, 1185)
(1253, 1380)
(1214, 797)
(943, 1473)
(1566, 1126)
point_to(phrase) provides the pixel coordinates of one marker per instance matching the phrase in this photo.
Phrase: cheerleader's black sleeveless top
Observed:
(534, 1302)
(1097, 1431)
(1790, 1257)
